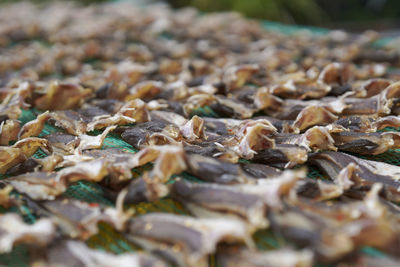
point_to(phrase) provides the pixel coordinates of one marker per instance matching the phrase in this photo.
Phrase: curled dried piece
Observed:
(71, 121)
(213, 149)
(218, 201)
(144, 90)
(38, 185)
(264, 99)
(230, 107)
(119, 163)
(368, 171)
(247, 202)
(253, 136)
(20, 151)
(283, 257)
(9, 130)
(301, 88)
(30, 145)
(313, 115)
(93, 142)
(336, 73)
(132, 111)
(282, 156)
(61, 96)
(354, 224)
(34, 127)
(342, 182)
(49, 163)
(315, 138)
(29, 165)
(48, 185)
(5, 198)
(356, 123)
(368, 124)
(366, 143)
(184, 240)
(13, 230)
(221, 126)
(197, 101)
(236, 76)
(380, 104)
(12, 103)
(291, 108)
(63, 143)
(9, 157)
(371, 87)
(78, 219)
(214, 170)
(388, 121)
(77, 253)
(170, 160)
(138, 135)
(193, 129)
(142, 189)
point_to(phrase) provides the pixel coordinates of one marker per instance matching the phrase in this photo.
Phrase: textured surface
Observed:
(108, 239)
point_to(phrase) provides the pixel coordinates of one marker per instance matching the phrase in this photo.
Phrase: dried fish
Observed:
(13, 230)
(9, 130)
(214, 170)
(284, 257)
(61, 96)
(48, 185)
(78, 219)
(366, 174)
(366, 143)
(6, 200)
(34, 127)
(73, 122)
(63, 143)
(10, 157)
(184, 240)
(138, 135)
(76, 253)
(93, 142)
(247, 202)
(283, 155)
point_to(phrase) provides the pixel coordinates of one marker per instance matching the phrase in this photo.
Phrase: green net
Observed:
(110, 240)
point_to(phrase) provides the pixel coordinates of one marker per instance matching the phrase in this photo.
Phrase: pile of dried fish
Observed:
(244, 112)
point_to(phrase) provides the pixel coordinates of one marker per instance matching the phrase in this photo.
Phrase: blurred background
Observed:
(352, 15)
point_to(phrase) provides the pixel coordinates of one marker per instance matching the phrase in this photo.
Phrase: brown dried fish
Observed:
(71, 121)
(34, 127)
(61, 96)
(9, 130)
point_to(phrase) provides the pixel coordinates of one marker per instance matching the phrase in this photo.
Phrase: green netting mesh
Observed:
(110, 240)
